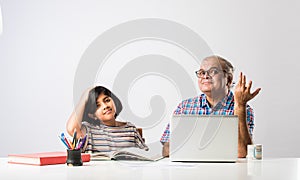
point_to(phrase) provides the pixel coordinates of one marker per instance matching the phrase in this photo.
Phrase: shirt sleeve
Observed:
(166, 134)
(250, 120)
(139, 141)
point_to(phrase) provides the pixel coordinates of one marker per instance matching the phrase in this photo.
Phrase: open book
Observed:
(128, 154)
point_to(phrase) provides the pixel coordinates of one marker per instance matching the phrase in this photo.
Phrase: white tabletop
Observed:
(281, 168)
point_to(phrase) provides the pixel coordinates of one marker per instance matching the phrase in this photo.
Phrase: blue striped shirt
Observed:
(199, 105)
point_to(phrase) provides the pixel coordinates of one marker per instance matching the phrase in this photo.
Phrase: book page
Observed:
(139, 154)
(101, 156)
(132, 153)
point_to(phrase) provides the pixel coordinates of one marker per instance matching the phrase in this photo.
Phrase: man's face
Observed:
(212, 77)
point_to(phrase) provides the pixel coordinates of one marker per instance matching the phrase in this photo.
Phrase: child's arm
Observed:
(75, 120)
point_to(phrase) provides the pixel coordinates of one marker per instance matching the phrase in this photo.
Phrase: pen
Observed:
(67, 141)
(78, 143)
(62, 140)
(74, 139)
(83, 141)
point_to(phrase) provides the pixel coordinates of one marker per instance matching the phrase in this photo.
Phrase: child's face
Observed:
(106, 108)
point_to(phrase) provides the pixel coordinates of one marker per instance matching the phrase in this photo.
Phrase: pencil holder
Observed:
(74, 157)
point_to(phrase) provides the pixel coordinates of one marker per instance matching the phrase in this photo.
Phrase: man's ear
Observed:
(229, 79)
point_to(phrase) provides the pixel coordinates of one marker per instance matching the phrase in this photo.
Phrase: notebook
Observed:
(204, 138)
(43, 158)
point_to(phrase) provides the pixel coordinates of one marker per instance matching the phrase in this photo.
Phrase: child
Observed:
(95, 116)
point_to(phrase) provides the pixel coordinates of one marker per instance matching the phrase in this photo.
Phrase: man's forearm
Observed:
(165, 151)
(244, 136)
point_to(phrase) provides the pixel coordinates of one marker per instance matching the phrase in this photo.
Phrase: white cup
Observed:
(250, 151)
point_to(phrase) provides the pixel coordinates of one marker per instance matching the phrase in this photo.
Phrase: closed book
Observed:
(43, 158)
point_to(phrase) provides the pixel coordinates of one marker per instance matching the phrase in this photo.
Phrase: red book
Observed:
(43, 158)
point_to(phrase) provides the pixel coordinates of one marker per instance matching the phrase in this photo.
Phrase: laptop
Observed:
(204, 138)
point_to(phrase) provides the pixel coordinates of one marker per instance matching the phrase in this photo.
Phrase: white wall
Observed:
(42, 44)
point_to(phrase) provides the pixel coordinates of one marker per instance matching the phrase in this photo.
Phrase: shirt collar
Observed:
(204, 102)
(226, 101)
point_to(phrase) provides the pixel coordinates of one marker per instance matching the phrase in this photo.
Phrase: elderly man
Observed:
(215, 78)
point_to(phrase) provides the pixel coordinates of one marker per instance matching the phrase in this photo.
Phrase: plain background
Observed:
(42, 42)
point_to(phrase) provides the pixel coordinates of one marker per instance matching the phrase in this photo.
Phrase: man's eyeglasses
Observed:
(211, 72)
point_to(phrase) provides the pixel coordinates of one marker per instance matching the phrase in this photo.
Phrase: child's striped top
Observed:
(104, 138)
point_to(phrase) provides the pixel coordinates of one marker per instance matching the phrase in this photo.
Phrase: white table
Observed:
(277, 168)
